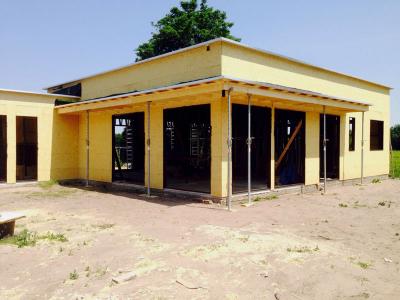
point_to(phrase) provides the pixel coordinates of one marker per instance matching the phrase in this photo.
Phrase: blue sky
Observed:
(51, 41)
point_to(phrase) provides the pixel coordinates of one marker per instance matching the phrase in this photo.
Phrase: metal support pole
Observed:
(324, 144)
(362, 150)
(87, 148)
(249, 140)
(229, 141)
(148, 149)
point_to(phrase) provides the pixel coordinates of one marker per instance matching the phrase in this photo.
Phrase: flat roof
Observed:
(211, 42)
(38, 93)
(214, 79)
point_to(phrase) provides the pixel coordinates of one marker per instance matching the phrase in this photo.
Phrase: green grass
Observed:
(27, 238)
(23, 239)
(395, 164)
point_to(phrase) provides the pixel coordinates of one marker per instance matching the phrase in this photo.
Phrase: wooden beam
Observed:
(286, 149)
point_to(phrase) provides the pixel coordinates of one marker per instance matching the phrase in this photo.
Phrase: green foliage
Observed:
(50, 236)
(47, 184)
(27, 238)
(23, 239)
(185, 26)
(74, 275)
(395, 164)
(395, 136)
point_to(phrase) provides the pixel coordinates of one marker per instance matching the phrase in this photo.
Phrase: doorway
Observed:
(289, 147)
(27, 148)
(260, 148)
(3, 148)
(187, 148)
(128, 148)
(332, 146)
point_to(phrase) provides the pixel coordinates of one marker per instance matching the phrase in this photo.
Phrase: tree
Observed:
(185, 26)
(395, 136)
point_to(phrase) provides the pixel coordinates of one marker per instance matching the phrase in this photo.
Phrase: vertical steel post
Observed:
(362, 150)
(249, 140)
(87, 148)
(324, 145)
(148, 149)
(229, 141)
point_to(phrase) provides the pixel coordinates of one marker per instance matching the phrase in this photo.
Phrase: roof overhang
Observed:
(215, 84)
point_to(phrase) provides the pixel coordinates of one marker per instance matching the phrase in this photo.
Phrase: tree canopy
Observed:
(395, 135)
(185, 26)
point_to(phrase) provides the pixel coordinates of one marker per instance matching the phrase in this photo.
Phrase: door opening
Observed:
(260, 148)
(27, 148)
(187, 148)
(332, 146)
(289, 147)
(128, 148)
(3, 148)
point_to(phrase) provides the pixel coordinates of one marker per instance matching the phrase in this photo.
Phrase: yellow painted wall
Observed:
(182, 67)
(239, 62)
(312, 148)
(55, 133)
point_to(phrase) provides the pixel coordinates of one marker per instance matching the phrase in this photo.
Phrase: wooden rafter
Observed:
(286, 149)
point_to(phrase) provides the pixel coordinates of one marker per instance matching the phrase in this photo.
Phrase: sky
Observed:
(51, 41)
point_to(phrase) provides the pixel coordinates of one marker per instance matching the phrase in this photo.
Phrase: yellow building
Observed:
(181, 122)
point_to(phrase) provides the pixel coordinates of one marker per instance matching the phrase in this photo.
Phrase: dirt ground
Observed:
(343, 245)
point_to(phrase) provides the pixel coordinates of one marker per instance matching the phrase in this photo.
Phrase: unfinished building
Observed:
(217, 119)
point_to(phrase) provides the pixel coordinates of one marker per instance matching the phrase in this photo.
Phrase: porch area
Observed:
(218, 136)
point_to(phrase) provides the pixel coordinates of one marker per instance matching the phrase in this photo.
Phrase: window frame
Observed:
(352, 134)
(379, 126)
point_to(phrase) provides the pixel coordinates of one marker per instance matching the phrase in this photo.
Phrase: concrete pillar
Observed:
(219, 158)
(312, 166)
(157, 152)
(272, 174)
(11, 147)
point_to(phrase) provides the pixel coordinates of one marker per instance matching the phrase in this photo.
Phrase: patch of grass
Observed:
(47, 184)
(50, 236)
(266, 198)
(376, 180)
(395, 164)
(23, 239)
(73, 275)
(343, 205)
(382, 203)
(363, 265)
(26, 238)
(51, 194)
(104, 226)
(302, 249)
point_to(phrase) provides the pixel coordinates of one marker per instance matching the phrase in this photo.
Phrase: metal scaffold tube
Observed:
(362, 150)
(249, 140)
(229, 142)
(148, 149)
(324, 145)
(87, 148)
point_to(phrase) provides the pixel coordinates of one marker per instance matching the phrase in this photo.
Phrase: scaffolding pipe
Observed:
(148, 149)
(324, 145)
(229, 142)
(87, 148)
(249, 140)
(362, 150)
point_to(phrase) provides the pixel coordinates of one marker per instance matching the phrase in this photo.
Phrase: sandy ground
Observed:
(306, 246)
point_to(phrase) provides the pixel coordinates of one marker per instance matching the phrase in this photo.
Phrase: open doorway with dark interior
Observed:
(128, 148)
(332, 146)
(187, 148)
(260, 148)
(289, 147)
(3, 148)
(27, 148)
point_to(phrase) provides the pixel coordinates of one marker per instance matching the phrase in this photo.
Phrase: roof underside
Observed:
(262, 89)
